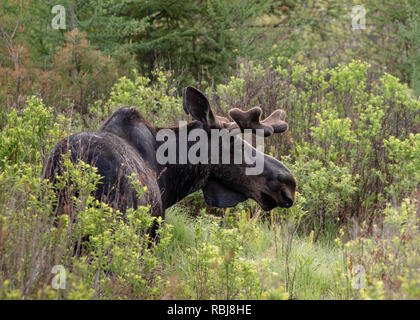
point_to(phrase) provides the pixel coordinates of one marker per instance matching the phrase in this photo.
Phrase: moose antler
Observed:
(251, 119)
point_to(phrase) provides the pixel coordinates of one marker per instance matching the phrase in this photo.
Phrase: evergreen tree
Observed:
(393, 39)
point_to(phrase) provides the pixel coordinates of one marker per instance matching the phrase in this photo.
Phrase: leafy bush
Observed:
(404, 157)
(157, 102)
(343, 123)
(385, 264)
(105, 254)
(30, 134)
(220, 269)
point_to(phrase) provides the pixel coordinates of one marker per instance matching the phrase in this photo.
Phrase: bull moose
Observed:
(126, 143)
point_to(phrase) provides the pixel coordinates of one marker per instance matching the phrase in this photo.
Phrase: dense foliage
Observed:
(351, 99)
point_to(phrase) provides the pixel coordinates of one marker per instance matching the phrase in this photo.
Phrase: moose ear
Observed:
(217, 195)
(196, 104)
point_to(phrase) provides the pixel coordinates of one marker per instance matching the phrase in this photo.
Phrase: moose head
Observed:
(226, 183)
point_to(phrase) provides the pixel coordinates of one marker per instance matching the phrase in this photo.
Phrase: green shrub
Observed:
(30, 134)
(105, 254)
(341, 121)
(157, 102)
(404, 167)
(220, 269)
(383, 264)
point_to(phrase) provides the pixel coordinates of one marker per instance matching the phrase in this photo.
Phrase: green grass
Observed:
(309, 268)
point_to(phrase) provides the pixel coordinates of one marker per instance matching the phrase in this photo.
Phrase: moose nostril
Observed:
(287, 199)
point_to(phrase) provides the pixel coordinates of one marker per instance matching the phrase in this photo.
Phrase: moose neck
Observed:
(176, 181)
